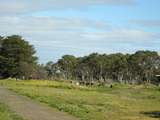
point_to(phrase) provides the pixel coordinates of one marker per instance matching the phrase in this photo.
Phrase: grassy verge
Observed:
(122, 102)
(7, 114)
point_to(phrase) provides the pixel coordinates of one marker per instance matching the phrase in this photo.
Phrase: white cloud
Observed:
(47, 24)
(53, 28)
(147, 23)
(121, 35)
(76, 36)
(25, 6)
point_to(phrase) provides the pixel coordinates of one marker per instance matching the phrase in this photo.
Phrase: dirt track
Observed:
(29, 109)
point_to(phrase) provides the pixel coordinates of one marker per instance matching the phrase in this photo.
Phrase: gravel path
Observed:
(30, 109)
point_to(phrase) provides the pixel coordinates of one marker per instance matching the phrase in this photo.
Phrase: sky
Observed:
(81, 27)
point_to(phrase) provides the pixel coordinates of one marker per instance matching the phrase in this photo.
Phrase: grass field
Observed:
(122, 102)
(7, 114)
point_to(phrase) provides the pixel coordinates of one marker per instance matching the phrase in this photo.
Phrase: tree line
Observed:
(140, 67)
(18, 60)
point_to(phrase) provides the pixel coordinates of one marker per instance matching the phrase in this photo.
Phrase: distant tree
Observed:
(1, 57)
(83, 71)
(119, 66)
(67, 65)
(49, 69)
(142, 65)
(1, 39)
(40, 72)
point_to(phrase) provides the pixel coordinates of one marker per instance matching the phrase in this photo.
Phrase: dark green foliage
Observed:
(16, 57)
(144, 65)
(141, 67)
(68, 65)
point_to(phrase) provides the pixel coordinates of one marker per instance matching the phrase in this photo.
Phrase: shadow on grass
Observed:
(153, 114)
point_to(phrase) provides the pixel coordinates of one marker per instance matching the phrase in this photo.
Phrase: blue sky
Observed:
(80, 27)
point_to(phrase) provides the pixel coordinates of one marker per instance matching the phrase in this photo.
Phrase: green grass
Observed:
(7, 114)
(122, 102)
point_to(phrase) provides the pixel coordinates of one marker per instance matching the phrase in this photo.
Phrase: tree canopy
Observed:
(137, 68)
(17, 57)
